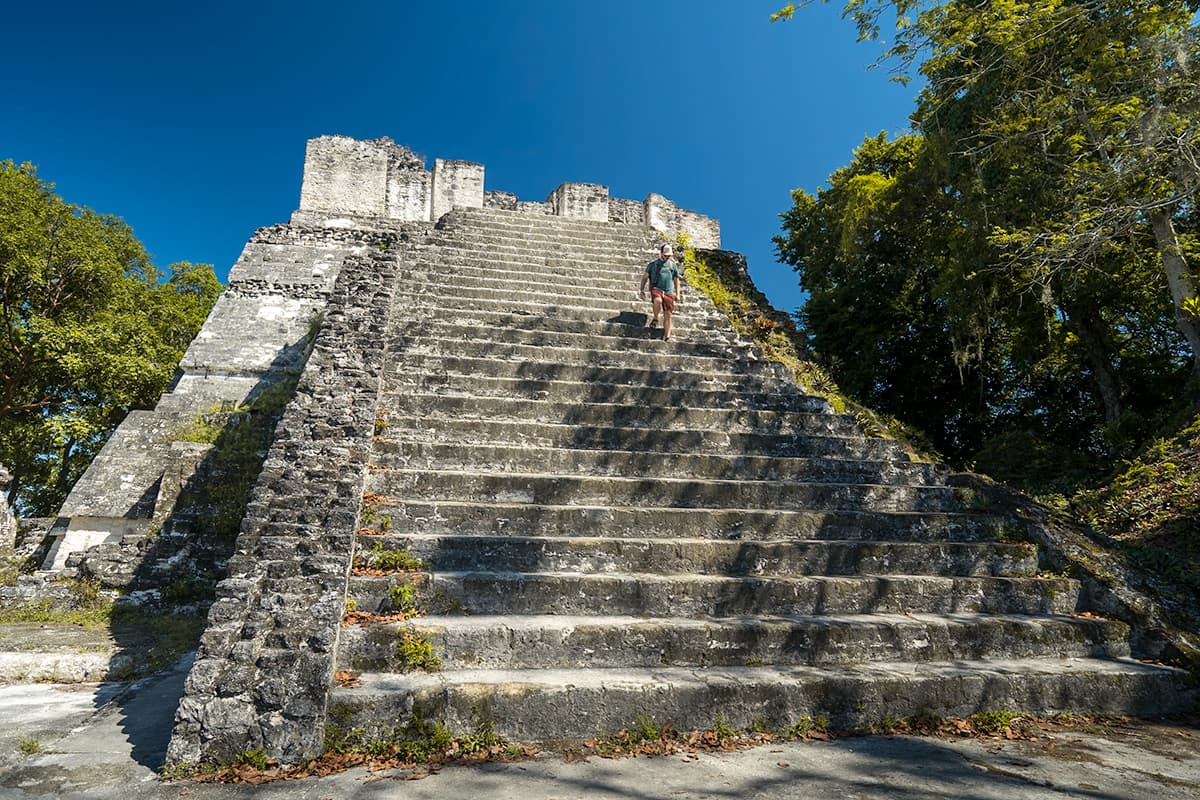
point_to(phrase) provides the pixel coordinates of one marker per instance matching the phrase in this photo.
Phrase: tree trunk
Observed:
(1178, 278)
(1098, 346)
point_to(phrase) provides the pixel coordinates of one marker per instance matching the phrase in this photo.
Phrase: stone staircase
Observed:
(613, 527)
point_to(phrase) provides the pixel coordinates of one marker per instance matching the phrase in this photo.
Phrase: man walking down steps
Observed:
(663, 276)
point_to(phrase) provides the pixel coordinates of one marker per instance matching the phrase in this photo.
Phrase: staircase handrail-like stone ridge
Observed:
(265, 662)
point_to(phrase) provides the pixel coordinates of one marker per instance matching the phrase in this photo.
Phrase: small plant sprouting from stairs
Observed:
(370, 513)
(401, 602)
(420, 741)
(414, 652)
(381, 561)
(403, 597)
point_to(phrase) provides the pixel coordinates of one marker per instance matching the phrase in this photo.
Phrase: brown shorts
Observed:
(668, 299)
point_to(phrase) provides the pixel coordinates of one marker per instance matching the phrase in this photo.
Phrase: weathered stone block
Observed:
(456, 183)
(343, 175)
(581, 200)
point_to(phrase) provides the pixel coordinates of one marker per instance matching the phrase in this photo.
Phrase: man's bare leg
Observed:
(667, 316)
(657, 311)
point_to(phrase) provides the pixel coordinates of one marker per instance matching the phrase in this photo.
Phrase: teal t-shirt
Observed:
(666, 274)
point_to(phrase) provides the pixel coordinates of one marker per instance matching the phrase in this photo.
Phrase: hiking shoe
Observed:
(652, 324)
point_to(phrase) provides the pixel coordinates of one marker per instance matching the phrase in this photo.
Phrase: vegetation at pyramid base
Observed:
(91, 330)
(1151, 510)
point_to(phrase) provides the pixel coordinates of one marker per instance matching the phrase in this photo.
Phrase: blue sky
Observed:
(189, 120)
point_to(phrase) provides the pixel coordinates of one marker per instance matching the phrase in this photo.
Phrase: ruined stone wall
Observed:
(351, 184)
(266, 660)
(343, 175)
(629, 212)
(505, 201)
(663, 215)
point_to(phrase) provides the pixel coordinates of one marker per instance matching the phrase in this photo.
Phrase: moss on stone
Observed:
(729, 288)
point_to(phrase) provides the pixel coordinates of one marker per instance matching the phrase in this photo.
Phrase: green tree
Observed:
(89, 329)
(1053, 215)
(1092, 105)
(910, 307)
(872, 253)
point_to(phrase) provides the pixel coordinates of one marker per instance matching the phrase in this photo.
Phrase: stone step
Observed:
(449, 383)
(530, 705)
(567, 642)
(562, 244)
(493, 218)
(426, 306)
(612, 336)
(603, 259)
(590, 554)
(624, 349)
(430, 300)
(473, 518)
(395, 452)
(742, 420)
(668, 492)
(563, 232)
(412, 428)
(558, 249)
(448, 270)
(490, 269)
(523, 225)
(741, 377)
(631, 325)
(642, 594)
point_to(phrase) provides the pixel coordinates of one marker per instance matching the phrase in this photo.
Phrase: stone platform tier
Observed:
(613, 527)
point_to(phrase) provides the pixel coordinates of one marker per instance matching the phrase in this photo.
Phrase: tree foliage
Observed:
(89, 329)
(1033, 235)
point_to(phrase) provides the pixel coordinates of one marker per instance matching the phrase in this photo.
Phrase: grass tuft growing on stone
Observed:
(807, 726)
(481, 740)
(30, 746)
(378, 560)
(414, 652)
(774, 332)
(256, 758)
(994, 721)
(416, 741)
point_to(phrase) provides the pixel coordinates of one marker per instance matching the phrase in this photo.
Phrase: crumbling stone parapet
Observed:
(352, 184)
(663, 215)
